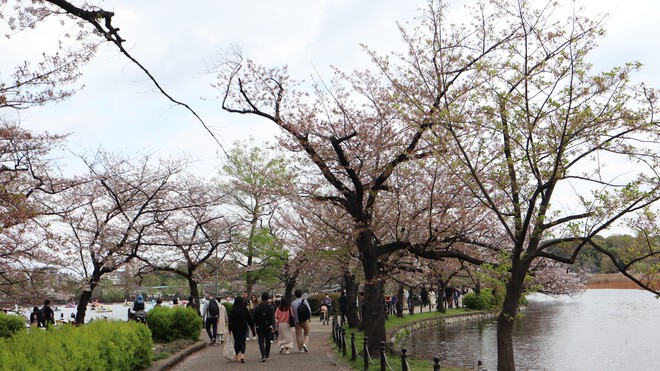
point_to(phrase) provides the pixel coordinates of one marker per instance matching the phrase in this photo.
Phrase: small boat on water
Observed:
(103, 308)
(70, 305)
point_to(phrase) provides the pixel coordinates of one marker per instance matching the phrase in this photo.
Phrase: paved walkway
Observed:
(320, 356)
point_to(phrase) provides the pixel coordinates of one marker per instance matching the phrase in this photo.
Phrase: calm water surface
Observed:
(595, 330)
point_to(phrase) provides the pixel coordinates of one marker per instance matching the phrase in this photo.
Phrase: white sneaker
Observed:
(305, 348)
(281, 349)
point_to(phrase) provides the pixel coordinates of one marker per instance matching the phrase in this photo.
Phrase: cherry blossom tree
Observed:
(354, 134)
(507, 106)
(192, 235)
(26, 176)
(532, 133)
(106, 218)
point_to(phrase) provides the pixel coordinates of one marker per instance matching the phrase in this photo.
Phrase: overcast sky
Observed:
(177, 41)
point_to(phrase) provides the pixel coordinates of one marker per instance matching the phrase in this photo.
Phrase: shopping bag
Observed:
(229, 351)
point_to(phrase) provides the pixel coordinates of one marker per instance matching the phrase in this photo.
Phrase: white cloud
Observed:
(119, 110)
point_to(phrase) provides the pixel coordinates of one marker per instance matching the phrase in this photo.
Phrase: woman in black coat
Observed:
(239, 319)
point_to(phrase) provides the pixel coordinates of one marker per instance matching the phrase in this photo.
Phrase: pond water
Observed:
(595, 330)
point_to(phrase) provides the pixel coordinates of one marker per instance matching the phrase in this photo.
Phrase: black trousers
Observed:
(212, 323)
(263, 337)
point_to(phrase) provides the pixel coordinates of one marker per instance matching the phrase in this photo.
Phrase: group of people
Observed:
(43, 317)
(267, 320)
(452, 298)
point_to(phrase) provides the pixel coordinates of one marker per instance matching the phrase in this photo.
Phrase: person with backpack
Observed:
(302, 313)
(138, 312)
(264, 321)
(46, 315)
(211, 314)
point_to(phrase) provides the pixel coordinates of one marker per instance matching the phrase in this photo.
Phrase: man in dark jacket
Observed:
(343, 306)
(48, 315)
(264, 321)
(425, 298)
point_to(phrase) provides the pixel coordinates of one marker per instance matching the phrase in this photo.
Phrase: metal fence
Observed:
(339, 337)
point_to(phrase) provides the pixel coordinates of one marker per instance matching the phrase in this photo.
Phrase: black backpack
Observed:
(262, 316)
(41, 317)
(303, 312)
(214, 309)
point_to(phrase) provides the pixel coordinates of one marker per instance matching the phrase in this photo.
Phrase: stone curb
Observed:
(395, 335)
(169, 362)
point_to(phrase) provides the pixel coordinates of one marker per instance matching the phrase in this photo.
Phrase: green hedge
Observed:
(99, 345)
(9, 325)
(484, 301)
(168, 324)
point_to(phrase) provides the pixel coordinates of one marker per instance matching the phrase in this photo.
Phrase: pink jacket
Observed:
(283, 317)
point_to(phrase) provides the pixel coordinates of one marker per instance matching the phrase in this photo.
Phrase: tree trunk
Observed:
(82, 306)
(505, 321)
(411, 301)
(374, 316)
(288, 290)
(351, 296)
(194, 292)
(374, 300)
(85, 296)
(442, 285)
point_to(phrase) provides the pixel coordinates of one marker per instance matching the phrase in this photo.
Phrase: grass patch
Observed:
(394, 360)
(165, 350)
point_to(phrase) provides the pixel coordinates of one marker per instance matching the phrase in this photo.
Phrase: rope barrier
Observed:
(388, 363)
(369, 357)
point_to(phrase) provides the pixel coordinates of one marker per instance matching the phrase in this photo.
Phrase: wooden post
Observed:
(404, 359)
(343, 342)
(353, 349)
(383, 362)
(436, 363)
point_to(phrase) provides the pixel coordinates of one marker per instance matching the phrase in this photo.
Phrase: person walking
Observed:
(424, 296)
(285, 321)
(343, 307)
(48, 315)
(222, 323)
(210, 315)
(240, 322)
(34, 317)
(191, 303)
(302, 316)
(264, 321)
(432, 300)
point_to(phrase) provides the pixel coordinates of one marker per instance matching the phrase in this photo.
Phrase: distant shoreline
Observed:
(611, 281)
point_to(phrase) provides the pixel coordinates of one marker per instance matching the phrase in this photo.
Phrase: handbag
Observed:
(229, 352)
(292, 321)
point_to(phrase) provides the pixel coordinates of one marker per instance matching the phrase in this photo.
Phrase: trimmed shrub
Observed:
(99, 345)
(168, 324)
(228, 306)
(9, 325)
(483, 301)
